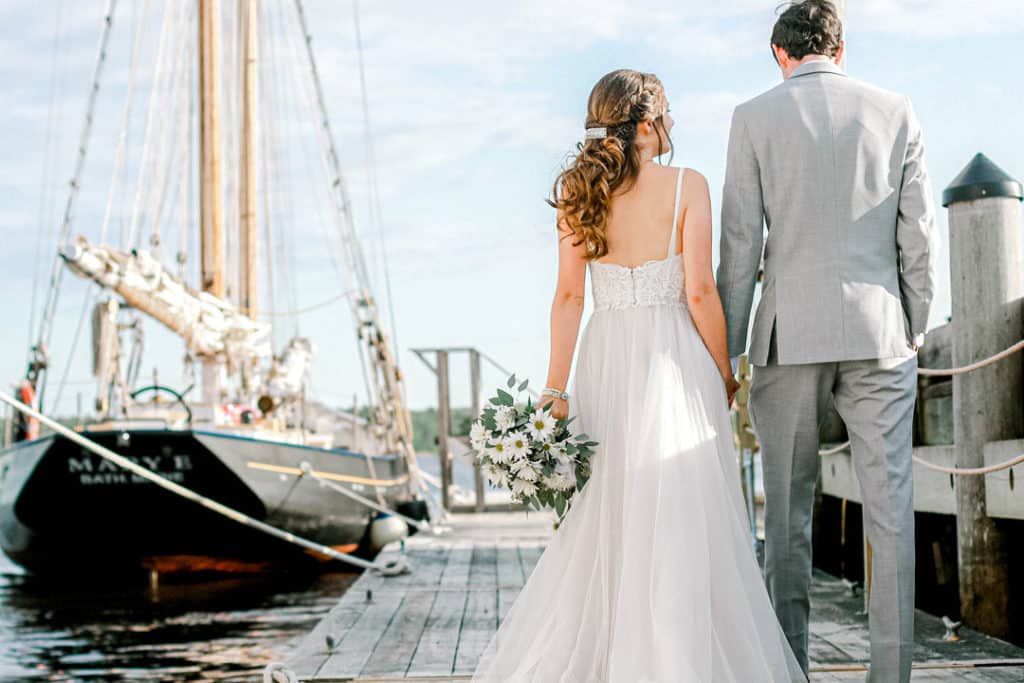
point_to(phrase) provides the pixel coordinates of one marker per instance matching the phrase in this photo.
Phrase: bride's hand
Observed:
(731, 387)
(559, 408)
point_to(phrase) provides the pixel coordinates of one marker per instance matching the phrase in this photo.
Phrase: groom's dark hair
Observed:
(809, 27)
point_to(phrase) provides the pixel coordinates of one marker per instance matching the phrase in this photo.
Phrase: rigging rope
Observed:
(45, 189)
(125, 123)
(129, 240)
(57, 270)
(307, 470)
(89, 293)
(307, 309)
(371, 163)
(339, 197)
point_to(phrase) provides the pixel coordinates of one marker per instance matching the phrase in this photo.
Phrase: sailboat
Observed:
(246, 433)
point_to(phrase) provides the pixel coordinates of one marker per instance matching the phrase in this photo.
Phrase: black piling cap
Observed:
(980, 179)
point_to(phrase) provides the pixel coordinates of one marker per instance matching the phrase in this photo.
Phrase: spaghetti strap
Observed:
(675, 216)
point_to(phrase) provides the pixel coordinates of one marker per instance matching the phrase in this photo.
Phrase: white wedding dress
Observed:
(651, 578)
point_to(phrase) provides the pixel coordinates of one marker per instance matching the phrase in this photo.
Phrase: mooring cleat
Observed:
(952, 629)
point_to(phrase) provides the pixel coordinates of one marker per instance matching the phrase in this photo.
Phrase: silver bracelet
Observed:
(548, 391)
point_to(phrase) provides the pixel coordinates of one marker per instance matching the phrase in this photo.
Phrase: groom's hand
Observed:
(731, 387)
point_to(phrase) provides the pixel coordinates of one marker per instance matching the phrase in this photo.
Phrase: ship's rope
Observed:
(337, 193)
(57, 270)
(307, 471)
(395, 568)
(376, 214)
(53, 116)
(173, 122)
(133, 69)
(83, 313)
(129, 232)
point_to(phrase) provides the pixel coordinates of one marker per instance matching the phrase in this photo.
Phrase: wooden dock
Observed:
(433, 624)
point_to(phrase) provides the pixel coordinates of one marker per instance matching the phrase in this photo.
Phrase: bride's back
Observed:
(640, 219)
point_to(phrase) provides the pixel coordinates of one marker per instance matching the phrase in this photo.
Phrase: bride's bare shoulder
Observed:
(695, 185)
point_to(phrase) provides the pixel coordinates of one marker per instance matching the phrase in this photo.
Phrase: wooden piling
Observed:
(986, 280)
(444, 429)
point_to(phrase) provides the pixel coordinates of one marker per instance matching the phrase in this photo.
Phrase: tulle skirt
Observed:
(652, 577)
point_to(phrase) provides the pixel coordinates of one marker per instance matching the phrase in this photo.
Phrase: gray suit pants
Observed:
(875, 398)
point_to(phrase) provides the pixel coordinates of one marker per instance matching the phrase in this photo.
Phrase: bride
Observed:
(651, 577)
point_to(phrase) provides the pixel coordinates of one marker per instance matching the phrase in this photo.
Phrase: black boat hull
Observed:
(66, 510)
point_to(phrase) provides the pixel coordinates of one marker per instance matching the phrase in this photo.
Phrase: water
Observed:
(225, 630)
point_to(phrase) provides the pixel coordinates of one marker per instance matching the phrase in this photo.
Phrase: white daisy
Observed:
(567, 474)
(499, 451)
(518, 445)
(504, 418)
(526, 472)
(523, 489)
(540, 426)
(478, 435)
(497, 476)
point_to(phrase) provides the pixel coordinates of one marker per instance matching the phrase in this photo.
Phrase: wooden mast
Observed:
(248, 12)
(210, 198)
(210, 184)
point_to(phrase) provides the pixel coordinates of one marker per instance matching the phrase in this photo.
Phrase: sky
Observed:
(473, 108)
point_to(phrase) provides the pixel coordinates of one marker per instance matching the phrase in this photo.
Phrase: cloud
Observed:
(934, 18)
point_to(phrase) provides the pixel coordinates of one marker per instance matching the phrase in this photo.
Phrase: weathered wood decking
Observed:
(432, 624)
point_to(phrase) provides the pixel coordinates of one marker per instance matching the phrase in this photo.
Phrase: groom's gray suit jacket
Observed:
(835, 168)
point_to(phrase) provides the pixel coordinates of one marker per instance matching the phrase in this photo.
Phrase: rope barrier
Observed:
(931, 372)
(400, 566)
(1005, 465)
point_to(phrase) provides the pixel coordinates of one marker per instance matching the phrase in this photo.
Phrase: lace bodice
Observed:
(653, 283)
(659, 281)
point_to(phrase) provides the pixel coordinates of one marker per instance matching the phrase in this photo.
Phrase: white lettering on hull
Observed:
(91, 470)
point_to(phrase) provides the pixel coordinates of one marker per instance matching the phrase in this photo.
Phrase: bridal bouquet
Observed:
(523, 448)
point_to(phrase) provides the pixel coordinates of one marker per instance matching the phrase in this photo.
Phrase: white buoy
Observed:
(387, 529)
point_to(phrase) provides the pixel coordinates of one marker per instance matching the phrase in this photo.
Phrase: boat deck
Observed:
(433, 624)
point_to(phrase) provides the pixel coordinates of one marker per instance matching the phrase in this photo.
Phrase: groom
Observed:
(835, 168)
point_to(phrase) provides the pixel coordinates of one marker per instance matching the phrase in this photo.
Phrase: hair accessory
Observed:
(595, 133)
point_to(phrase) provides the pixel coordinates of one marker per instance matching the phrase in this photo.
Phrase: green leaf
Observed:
(511, 382)
(504, 399)
(522, 387)
(560, 505)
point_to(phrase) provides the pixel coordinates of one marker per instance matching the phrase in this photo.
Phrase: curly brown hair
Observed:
(809, 27)
(602, 167)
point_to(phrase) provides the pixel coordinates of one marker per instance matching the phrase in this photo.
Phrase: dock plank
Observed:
(435, 622)
(435, 652)
(508, 567)
(479, 622)
(355, 648)
(396, 647)
(456, 572)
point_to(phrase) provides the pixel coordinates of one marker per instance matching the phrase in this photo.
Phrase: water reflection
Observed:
(224, 630)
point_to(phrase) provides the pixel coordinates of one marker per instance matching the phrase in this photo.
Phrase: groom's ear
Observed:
(841, 53)
(780, 54)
